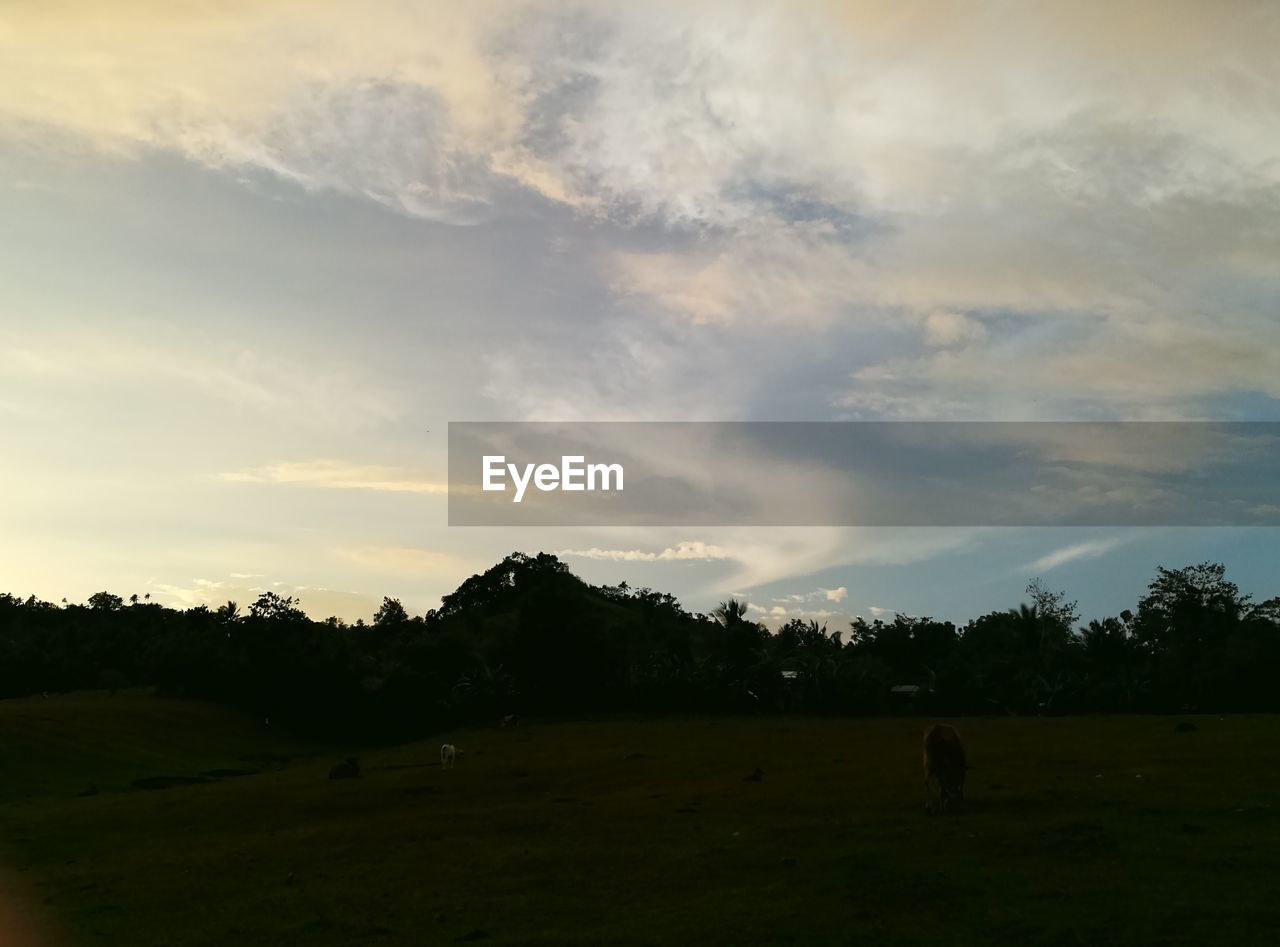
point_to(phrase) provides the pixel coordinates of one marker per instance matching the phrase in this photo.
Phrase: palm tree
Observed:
(484, 683)
(731, 613)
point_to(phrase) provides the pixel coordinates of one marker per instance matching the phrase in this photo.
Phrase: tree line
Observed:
(529, 637)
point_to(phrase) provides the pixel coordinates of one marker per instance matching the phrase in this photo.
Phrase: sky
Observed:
(256, 255)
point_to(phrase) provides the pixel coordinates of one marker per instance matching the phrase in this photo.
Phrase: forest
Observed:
(528, 637)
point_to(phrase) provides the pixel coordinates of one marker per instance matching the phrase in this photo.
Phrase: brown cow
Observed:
(944, 768)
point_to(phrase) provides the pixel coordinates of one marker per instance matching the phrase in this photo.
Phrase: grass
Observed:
(1092, 831)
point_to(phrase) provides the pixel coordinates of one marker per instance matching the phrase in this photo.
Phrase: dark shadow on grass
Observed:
(228, 773)
(168, 782)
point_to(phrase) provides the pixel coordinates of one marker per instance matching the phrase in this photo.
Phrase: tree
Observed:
(731, 613)
(529, 628)
(1188, 604)
(105, 602)
(1268, 611)
(741, 644)
(390, 614)
(1053, 606)
(273, 607)
(1188, 621)
(1115, 664)
(497, 584)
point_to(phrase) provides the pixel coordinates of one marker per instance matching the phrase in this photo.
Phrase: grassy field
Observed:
(1098, 830)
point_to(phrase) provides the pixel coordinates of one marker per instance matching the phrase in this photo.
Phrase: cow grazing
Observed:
(510, 720)
(944, 769)
(348, 769)
(448, 756)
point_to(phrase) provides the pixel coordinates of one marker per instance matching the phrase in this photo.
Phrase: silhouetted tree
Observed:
(105, 601)
(528, 631)
(390, 614)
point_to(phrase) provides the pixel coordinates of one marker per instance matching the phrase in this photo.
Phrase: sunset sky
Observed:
(255, 256)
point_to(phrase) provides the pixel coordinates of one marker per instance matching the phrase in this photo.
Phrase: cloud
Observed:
(766, 556)
(754, 557)
(319, 603)
(773, 271)
(685, 551)
(778, 614)
(706, 115)
(1132, 368)
(1074, 553)
(1049, 200)
(945, 329)
(426, 564)
(317, 393)
(641, 368)
(400, 105)
(338, 475)
(200, 592)
(830, 595)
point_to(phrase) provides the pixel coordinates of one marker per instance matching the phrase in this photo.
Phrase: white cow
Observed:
(448, 756)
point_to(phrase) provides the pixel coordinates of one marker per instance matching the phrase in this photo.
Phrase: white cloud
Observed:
(1075, 552)
(319, 603)
(770, 555)
(844, 164)
(313, 393)
(426, 564)
(200, 592)
(772, 271)
(399, 104)
(945, 328)
(778, 615)
(830, 595)
(685, 551)
(752, 557)
(338, 475)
